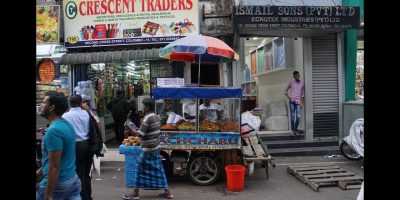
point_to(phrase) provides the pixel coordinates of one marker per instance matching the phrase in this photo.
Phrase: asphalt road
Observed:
(280, 185)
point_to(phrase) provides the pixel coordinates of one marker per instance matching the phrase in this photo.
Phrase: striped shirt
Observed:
(149, 132)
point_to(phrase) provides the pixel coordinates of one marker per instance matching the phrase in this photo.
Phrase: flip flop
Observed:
(167, 196)
(130, 197)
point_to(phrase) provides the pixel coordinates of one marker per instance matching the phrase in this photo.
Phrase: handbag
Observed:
(95, 139)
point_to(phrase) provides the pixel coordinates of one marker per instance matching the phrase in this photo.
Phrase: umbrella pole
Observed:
(198, 78)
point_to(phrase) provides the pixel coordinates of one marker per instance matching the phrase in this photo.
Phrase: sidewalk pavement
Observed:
(113, 154)
(280, 186)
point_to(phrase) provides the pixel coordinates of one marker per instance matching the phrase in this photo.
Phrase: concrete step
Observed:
(280, 137)
(300, 143)
(306, 151)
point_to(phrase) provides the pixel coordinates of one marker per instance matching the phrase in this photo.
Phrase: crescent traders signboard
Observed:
(90, 23)
(253, 18)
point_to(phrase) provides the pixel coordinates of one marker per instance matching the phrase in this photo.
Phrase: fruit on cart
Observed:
(187, 126)
(168, 127)
(229, 126)
(209, 126)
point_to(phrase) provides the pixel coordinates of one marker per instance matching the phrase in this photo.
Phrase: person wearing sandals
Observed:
(150, 173)
(296, 101)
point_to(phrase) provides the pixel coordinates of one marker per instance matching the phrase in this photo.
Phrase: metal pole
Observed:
(199, 70)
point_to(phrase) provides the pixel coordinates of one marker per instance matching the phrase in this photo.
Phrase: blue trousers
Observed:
(65, 190)
(294, 115)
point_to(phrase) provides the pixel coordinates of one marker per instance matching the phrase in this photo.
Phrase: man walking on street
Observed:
(79, 120)
(296, 100)
(150, 171)
(60, 180)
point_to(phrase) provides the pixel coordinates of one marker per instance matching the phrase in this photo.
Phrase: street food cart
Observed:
(205, 139)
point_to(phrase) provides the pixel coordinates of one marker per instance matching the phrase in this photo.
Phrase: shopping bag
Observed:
(95, 170)
(253, 121)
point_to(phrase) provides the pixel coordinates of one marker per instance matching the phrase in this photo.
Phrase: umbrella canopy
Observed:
(199, 48)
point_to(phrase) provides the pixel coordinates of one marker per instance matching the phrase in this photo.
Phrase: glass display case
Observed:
(214, 115)
(199, 118)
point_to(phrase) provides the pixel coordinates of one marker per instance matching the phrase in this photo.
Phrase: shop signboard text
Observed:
(125, 22)
(220, 140)
(296, 17)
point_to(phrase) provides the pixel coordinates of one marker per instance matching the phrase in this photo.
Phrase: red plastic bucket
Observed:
(235, 177)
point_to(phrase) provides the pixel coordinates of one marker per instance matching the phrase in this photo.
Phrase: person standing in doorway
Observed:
(58, 170)
(119, 108)
(296, 101)
(150, 171)
(79, 119)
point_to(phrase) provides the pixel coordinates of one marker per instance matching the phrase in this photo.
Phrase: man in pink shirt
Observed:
(296, 100)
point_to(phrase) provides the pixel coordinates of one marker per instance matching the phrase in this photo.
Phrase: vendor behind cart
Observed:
(210, 111)
(189, 110)
(168, 116)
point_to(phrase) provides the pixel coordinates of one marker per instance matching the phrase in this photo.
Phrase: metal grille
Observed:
(325, 86)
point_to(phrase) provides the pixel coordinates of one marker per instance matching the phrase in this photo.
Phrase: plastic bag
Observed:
(104, 149)
(356, 137)
(251, 120)
(250, 168)
(95, 170)
(361, 193)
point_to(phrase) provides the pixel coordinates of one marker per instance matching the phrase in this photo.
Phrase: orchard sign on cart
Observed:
(47, 70)
(125, 22)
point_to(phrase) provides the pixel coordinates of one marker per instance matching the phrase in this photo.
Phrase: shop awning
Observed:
(110, 56)
(197, 92)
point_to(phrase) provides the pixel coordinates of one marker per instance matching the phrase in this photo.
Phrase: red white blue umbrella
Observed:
(199, 49)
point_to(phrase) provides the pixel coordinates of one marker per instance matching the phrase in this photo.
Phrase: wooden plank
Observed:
(259, 158)
(349, 185)
(310, 165)
(337, 179)
(329, 175)
(290, 170)
(315, 168)
(246, 140)
(313, 185)
(259, 150)
(257, 147)
(321, 171)
(247, 151)
(254, 139)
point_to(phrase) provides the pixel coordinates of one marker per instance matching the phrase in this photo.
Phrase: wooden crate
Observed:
(322, 174)
(254, 150)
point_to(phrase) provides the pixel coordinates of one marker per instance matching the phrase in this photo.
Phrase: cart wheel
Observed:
(204, 170)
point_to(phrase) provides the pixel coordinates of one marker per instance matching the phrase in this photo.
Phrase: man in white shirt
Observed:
(210, 111)
(79, 119)
(189, 110)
